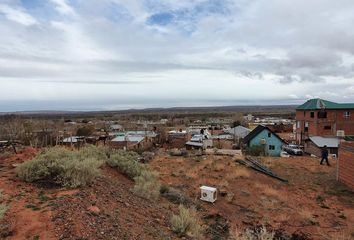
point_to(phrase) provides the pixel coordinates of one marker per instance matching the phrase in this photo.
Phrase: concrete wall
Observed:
(345, 167)
(272, 140)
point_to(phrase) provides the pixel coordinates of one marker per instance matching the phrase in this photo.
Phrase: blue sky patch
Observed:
(160, 19)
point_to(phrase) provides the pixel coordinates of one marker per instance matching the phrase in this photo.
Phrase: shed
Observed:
(313, 145)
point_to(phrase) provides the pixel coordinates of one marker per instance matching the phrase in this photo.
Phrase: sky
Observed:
(121, 54)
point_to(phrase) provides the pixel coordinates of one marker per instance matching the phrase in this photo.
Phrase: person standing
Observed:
(325, 155)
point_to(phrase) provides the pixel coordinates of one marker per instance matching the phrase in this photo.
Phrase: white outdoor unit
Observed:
(208, 194)
(340, 133)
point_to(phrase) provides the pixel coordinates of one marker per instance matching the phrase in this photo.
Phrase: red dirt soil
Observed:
(312, 203)
(107, 209)
(21, 220)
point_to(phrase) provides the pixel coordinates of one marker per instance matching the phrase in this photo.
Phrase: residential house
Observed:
(318, 117)
(263, 136)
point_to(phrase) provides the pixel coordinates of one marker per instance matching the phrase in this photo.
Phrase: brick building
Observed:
(345, 166)
(318, 117)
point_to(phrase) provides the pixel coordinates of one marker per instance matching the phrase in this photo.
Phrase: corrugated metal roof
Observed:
(317, 103)
(128, 138)
(321, 141)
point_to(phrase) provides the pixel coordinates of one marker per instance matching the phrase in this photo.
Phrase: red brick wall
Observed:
(345, 173)
(335, 119)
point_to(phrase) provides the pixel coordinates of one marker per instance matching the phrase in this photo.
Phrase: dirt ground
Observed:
(312, 204)
(106, 209)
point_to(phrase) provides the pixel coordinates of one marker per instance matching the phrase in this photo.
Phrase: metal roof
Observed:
(239, 131)
(128, 138)
(257, 131)
(321, 141)
(317, 104)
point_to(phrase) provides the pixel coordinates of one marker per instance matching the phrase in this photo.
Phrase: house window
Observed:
(269, 135)
(312, 114)
(304, 113)
(298, 124)
(271, 147)
(346, 114)
(327, 128)
(306, 129)
(322, 114)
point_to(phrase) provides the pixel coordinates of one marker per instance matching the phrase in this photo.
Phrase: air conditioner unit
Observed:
(263, 141)
(208, 194)
(340, 133)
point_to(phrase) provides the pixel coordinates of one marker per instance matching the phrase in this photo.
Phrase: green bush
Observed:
(255, 150)
(126, 162)
(147, 185)
(64, 167)
(186, 223)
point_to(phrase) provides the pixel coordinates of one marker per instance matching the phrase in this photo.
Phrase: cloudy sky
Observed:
(118, 54)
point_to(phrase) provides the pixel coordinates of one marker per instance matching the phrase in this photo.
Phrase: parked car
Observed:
(293, 149)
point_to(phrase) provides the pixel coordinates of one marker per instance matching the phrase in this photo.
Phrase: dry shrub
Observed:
(307, 217)
(242, 173)
(147, 185)
(64, 167)
(252, 234)
(126, 162)
(3, 206)
(186, 223)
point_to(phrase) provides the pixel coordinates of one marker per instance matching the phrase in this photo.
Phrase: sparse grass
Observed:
(3, 206)
(252, 234)
(242, 173)
(5, 154)
(33, 207)
(126, 162)
(3, 209)
(42, 197)
(60, 166)
(147, 185)
(307, 217)
(186, 223)
(164, 189)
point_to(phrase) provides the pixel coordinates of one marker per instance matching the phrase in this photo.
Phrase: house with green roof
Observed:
(319, 117)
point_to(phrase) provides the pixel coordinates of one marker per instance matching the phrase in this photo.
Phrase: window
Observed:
(322, 114)
(298, 124)
(346, 114)
(327, 128)
(269, 135)
(306, 129)
(312, 114)
(271, 147)
(304, 113)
